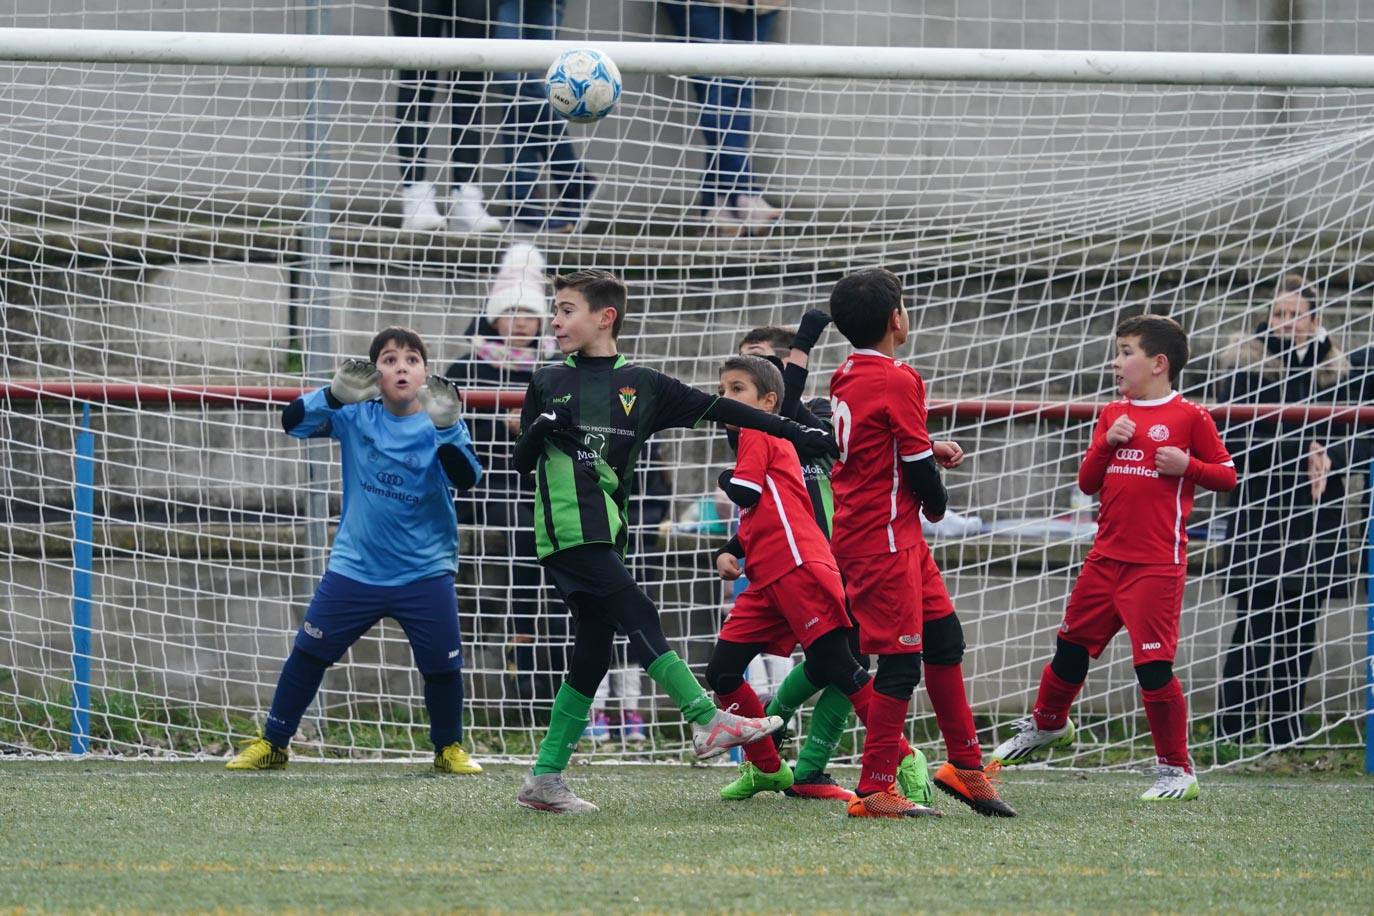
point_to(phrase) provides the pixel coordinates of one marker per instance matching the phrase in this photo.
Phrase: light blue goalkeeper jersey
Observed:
(397, 524)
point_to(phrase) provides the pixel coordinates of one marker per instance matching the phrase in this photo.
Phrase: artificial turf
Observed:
(92, 835)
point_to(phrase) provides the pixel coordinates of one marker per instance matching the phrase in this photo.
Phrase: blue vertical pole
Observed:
(83, 517)
(1369, 631)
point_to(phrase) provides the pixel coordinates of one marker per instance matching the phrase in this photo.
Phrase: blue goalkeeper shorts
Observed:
(343, 609)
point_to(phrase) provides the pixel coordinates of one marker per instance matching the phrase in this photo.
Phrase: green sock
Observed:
(566, 724)
(672, 674)
(830, 718)
(793, 693)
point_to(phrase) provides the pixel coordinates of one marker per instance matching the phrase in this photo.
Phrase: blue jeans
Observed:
(726, 104)
(532, 133)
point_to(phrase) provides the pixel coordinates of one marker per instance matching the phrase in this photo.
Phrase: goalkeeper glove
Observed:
(439, 398)
(812, 326)
(355, 381)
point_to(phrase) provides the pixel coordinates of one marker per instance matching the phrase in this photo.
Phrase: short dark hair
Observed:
(1296, 283)
(761, 372)
(863, 302)
(402, 337)
(602, 290)
(1159, 335)
(776, 337)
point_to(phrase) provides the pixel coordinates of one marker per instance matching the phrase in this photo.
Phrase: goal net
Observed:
(185, 247)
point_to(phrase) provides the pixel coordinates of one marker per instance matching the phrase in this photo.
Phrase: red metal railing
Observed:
(232, 395)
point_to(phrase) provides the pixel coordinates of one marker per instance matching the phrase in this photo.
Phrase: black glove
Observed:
(811, 443)
(556, 416)
(812, 326)
(531, 441)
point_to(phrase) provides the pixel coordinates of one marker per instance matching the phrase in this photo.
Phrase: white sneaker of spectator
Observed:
(723, 221)
(420, 208)
(467, 212)
(756, 214)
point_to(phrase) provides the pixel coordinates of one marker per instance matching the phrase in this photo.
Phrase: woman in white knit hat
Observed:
(507, 346)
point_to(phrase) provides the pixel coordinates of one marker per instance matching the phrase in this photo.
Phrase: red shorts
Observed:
(800, 607)
(892, 596)
(1145, 598)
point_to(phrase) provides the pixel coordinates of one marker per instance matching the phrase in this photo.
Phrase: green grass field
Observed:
(112, 835)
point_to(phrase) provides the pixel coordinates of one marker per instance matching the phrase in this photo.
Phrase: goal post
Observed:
(165, 249)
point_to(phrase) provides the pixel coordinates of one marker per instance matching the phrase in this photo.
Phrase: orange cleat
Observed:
(974, 788)
(888, 803)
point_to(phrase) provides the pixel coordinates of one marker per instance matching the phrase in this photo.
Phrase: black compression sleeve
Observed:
(456, 466)
(732, 547)
(793, 384)
(724, 410)
(739, 495)
(923, 477)
(528, 448)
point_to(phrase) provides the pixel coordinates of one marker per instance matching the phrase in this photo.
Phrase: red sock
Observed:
(1167, 710)
(1053, 701)
(861, 698)
(762, 753)
(945, 685)
(883, 727)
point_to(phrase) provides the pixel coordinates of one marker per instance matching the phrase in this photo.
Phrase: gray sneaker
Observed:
(550, 792)
(727, 730)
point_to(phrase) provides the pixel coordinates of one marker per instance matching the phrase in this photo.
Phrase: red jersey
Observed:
(879, 416)
(779, 532)
(1143, 516)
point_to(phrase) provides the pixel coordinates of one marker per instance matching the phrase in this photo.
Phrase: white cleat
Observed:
(550, 792)
(1022, 746)
(467, 211)
(1172, 784)
(727, 730)
(420, 208)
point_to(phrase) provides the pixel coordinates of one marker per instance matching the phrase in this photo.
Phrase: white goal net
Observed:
(184, 247)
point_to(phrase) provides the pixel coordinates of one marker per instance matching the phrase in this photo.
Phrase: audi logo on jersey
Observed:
(1130, 454)
(390, 479)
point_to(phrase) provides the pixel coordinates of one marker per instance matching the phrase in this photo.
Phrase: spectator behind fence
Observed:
(533, 135)
(507, 347)
(730, 193)
(1286, 559)
(417, 108)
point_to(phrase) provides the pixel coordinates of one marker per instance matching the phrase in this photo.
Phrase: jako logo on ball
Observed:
(583, 85)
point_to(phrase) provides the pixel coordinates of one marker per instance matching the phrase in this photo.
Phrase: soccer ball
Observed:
(583, 85)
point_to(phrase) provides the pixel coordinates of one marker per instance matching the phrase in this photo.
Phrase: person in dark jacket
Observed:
(1286, 556)
(506, 347)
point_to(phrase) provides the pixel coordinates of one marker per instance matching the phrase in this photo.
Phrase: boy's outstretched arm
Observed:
(440, 400)
(795, 368)
(810, 442)
(308, 416)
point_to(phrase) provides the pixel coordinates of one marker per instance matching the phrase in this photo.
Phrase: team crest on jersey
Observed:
(1158, 433)
(627, 399)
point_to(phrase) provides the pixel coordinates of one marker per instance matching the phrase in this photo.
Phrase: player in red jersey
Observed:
(1147, 454)
(794, 596)
(888, 470)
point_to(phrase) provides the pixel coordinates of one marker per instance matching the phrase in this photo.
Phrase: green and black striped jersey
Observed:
(583, 478)
(816, 473)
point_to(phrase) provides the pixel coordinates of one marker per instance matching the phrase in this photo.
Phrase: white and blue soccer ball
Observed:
(583, 85)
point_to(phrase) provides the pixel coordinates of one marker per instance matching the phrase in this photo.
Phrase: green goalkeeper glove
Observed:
(355, 381)
(440, 400)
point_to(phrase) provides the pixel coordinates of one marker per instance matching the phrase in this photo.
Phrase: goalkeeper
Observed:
(403, 446)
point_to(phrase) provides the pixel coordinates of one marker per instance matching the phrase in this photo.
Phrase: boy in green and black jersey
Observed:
(584, 424)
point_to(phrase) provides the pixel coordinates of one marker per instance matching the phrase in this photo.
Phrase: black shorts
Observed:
(587, 571)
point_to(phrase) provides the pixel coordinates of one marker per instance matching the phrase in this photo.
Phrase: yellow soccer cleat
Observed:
(453, 759)
(259, 754)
